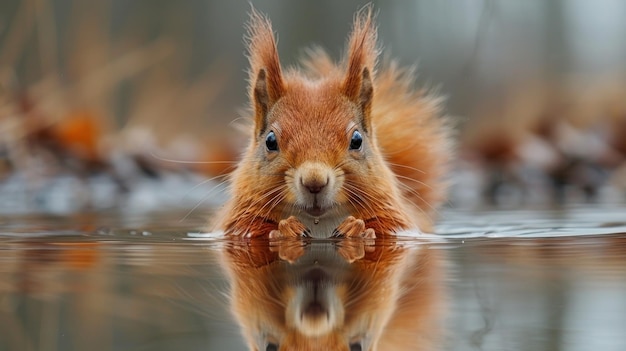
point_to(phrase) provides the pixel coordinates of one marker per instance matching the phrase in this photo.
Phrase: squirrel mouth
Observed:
(315, 211)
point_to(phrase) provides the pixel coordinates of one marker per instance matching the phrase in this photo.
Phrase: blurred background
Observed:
(132, 105)
(118, 108)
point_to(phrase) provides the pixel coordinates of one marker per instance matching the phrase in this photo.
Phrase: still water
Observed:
(490, 280)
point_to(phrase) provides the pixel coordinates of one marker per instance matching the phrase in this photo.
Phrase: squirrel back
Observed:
(339, 148)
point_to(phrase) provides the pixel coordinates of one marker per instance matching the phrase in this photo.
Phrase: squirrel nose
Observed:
(314, 185)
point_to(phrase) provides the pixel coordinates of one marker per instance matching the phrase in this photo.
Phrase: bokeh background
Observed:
(133, 105)
(124, 113)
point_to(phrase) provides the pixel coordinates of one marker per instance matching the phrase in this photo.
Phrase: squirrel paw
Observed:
(290, 228)
(354, 228)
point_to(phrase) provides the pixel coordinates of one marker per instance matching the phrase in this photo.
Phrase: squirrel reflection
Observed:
(352, 294)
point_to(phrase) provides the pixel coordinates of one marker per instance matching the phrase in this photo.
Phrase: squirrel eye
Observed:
(271, 143)
(356, 347)
(356, 141)
(272, 347)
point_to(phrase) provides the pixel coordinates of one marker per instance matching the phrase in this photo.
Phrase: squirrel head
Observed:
(313, 149)
(268, 84)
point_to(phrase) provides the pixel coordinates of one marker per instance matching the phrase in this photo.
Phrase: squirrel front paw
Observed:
(354, 228)
(290, 228)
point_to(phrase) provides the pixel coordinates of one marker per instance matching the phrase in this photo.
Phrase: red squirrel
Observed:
(336, 149)
(393, 298)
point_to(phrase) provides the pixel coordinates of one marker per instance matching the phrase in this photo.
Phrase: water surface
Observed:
(493, 280)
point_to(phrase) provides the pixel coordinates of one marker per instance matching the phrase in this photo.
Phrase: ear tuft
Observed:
(266, 79)
(361, 60)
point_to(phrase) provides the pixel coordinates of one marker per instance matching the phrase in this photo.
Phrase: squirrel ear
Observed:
(365, 97)
(262, 102)
(361, 59)
(266, 80)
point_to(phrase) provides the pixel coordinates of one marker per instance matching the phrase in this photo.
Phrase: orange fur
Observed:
(391, 299)
(393, 181)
